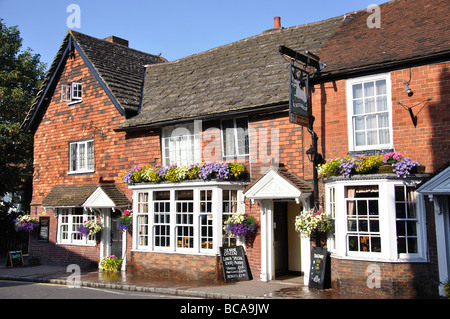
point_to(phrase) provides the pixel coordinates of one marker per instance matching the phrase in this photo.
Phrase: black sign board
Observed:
(234, 264)
(318, 270)
(14, 258)
(44, 226)
(298, 96)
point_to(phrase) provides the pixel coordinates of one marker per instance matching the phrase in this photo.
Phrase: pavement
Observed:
(284, 288)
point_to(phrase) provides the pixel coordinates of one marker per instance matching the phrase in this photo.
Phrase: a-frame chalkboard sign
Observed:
(14, 258)
(319, 268)
(235, 264)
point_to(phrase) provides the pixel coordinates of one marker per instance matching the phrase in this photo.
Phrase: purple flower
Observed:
(84, 230)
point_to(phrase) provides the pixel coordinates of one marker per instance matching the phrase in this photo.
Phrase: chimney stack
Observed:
(117, 40)
(277, 23)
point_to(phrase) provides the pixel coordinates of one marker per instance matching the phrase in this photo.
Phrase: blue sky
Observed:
(175, 28)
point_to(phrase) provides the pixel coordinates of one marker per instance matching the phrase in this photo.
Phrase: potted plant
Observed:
(26, 223)
(91, 227)
(111, 263)
(240, 225)
(126, 221)
(313, 224)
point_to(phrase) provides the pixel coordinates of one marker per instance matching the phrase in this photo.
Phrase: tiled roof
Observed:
(121, 69)
(409, 30)
(241, 75)
(250, 73)
(76, 196)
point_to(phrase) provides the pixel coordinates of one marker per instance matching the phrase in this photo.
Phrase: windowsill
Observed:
(94, 244)
(80, 172)
(372, 258)
(74, 102)
(185, 252)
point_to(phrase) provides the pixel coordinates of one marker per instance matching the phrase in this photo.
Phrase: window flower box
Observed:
(390, 163)
(175, 173)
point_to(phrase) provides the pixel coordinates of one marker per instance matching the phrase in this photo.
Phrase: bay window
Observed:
(377, 219)
(186, 218)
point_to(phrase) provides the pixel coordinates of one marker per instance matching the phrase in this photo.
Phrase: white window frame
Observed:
(215, 216)
(82, 158)
(387, 222)
(66, 217)
(72, 93)
(350, 112)
(180, 145)
(235, 131)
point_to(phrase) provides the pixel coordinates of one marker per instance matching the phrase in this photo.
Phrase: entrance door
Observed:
(115, 236)
(280, 236)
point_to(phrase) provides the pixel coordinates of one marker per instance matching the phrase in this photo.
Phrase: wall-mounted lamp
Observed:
(408, 89)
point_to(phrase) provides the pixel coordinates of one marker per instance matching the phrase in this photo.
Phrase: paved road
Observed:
(28, 290)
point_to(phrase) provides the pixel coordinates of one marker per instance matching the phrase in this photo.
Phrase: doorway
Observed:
(286, 241)
(280, 238)
(115, 240)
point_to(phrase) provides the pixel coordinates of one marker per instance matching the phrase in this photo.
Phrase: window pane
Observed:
(360, 123)
(381, 87)
(360, 139)
(406, 219)
(412, 246)
(358, 106)
(242, 136)
(381, 103)
(369, 89)
(369, 105)
(357, 91)
(90, 154)
(73, 156)
(184, 219)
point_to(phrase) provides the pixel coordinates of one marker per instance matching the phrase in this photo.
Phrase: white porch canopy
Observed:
(279, 184)
(437, 188)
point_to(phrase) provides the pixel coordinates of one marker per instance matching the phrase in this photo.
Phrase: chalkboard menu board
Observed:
(44, 224)
(234, 264)
(14, 258)
(319, 268)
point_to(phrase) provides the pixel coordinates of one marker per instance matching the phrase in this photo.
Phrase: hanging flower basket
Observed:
(26, 223)
(240, 225)
(91, 227)
(126, 221)
(310, 223)
(111, 263)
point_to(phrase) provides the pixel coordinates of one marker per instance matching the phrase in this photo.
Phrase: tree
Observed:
(21, 74)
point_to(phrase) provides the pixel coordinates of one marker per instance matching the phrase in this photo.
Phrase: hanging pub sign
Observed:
(298, 96)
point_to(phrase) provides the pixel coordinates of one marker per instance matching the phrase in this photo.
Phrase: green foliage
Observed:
(20, 76)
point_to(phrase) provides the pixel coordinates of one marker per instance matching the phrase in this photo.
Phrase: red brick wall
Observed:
(428, 143)
(407, 280)
(115, 152)
(177, 266)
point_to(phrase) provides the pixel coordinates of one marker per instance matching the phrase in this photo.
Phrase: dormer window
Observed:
(72, 93)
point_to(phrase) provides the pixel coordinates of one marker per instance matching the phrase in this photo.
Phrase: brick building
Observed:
(231, 104)
(91, 86)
